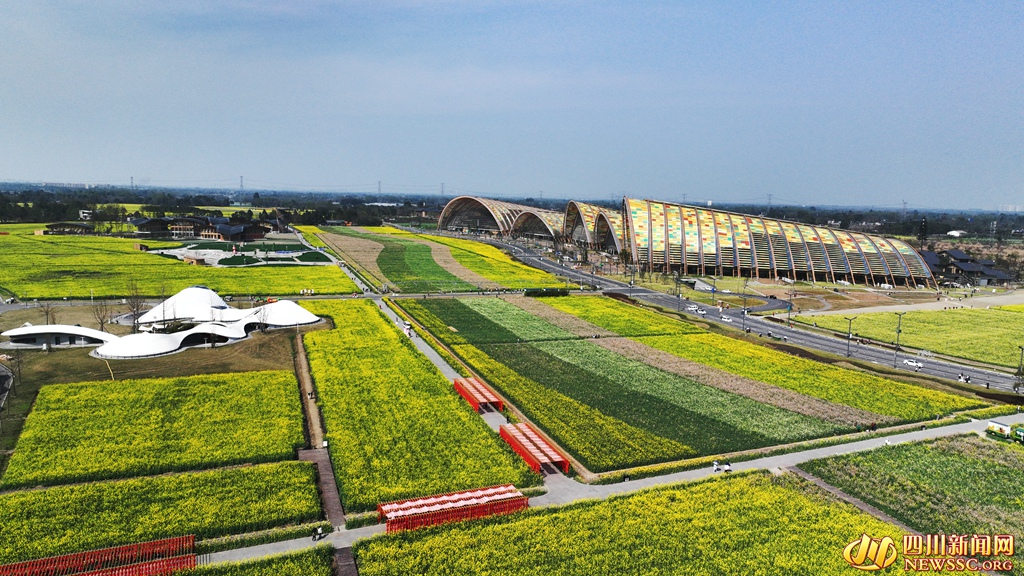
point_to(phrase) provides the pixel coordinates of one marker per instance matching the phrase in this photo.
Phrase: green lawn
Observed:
(985, 335)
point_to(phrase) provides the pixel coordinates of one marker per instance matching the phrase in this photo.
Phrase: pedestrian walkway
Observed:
(328, 486)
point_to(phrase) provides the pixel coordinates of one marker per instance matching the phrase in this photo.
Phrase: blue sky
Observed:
(865, 103)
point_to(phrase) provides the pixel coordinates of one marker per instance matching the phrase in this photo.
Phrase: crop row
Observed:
(100, 430)
(80, 267)
(751, 524)
(709, 419)
(956, 485)
(538, 367)
(316, 561)
(834, 384)
(63, 519)
(623, 319)
(396, 427)
(840, 385)
(989, 335)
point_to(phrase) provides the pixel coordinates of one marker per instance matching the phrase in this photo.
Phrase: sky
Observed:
(814, 103)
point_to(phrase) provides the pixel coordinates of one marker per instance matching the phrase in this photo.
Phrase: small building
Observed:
(53, 335)
(227, 233)
(151, 227)
(193, 261)
(68, 228)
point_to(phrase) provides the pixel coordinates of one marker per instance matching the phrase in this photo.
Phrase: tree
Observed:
(255, 199)
(49, 309)
(135, 301)
(101, 310)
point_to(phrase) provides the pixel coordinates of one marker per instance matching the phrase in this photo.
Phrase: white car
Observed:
(913, 363)
(726, 319)
(701, 311)
(692, 308)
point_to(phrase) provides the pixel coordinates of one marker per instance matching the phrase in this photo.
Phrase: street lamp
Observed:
(789, 308)
(743, 312)
(714, 290)
(899, 330)
(849, 332)
(678, 295)
(1020, 371)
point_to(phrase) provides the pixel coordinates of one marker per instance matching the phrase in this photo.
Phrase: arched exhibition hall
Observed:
(667, 237)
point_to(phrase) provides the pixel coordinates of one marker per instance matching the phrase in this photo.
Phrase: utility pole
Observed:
(743, 313)
(241, 184)
(899, 330)
(1020, 371)
(849, 332)
(133, 183)
(789, 309)
(770, 202)
(378, 186)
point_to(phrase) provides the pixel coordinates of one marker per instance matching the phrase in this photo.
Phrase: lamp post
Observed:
(849, 332)
(743, 312)
(789, 308)
(899, 330)
(714, 291)
(1020, 371)
(678, 298)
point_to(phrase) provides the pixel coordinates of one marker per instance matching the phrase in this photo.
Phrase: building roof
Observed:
(30, 330)
(958, 255)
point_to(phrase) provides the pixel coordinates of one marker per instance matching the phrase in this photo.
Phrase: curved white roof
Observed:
(147, 344)
(59, 329)
(195, 303)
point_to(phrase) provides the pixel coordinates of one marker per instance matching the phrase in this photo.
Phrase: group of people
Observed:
(723, 468)
(306, 292)
(962, 378)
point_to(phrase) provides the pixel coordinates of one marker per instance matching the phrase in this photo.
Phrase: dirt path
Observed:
(358, 252)
(443, 256)
(314, 427)
(765, 393)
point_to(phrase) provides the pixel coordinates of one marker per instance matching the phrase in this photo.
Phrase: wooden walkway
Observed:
(328, 486)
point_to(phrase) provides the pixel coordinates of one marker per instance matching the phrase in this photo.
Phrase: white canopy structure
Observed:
(214, 322)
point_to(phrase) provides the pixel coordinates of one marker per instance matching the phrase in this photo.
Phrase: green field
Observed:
(956, 485)
(316, 561)
(64, 519)
(396, 427)
(752, 524)
(100, 430)
(409, 266)
(664, 406)
(904, 402)
(80, 267)
(990, 335)
(491, 263)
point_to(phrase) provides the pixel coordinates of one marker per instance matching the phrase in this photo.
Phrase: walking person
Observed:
(727, 468)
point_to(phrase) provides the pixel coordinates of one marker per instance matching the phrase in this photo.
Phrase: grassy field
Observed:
(495, 265)
(64, 519)
(102, 430)
(956, 485)
(396, 427)
(534, 362)
(902, 401)
(746, 525)
(78, 267)
(409, 266)
(989, 335)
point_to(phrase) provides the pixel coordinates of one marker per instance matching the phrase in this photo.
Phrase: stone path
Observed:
(314, 426)
(328, 486)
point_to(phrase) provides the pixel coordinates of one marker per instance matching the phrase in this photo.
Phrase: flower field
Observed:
(396, 427)
(989, 336)
(80, 266)
(316, 561)
(63, 519)
(100, 430)
(310, 234)
(619, 317)
(954, 485)
(540, 366)
(495, 265)
(904, 402)
(752, 524)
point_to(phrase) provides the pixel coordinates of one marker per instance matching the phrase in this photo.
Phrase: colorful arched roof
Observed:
(581, 221)
(550, 220)
(608, 222)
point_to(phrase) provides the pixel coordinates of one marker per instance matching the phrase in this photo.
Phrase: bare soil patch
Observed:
(359, 252)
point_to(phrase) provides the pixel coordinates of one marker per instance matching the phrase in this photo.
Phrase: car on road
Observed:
(701, 311)
(726, 319)
(913, 363)
(692, 308)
